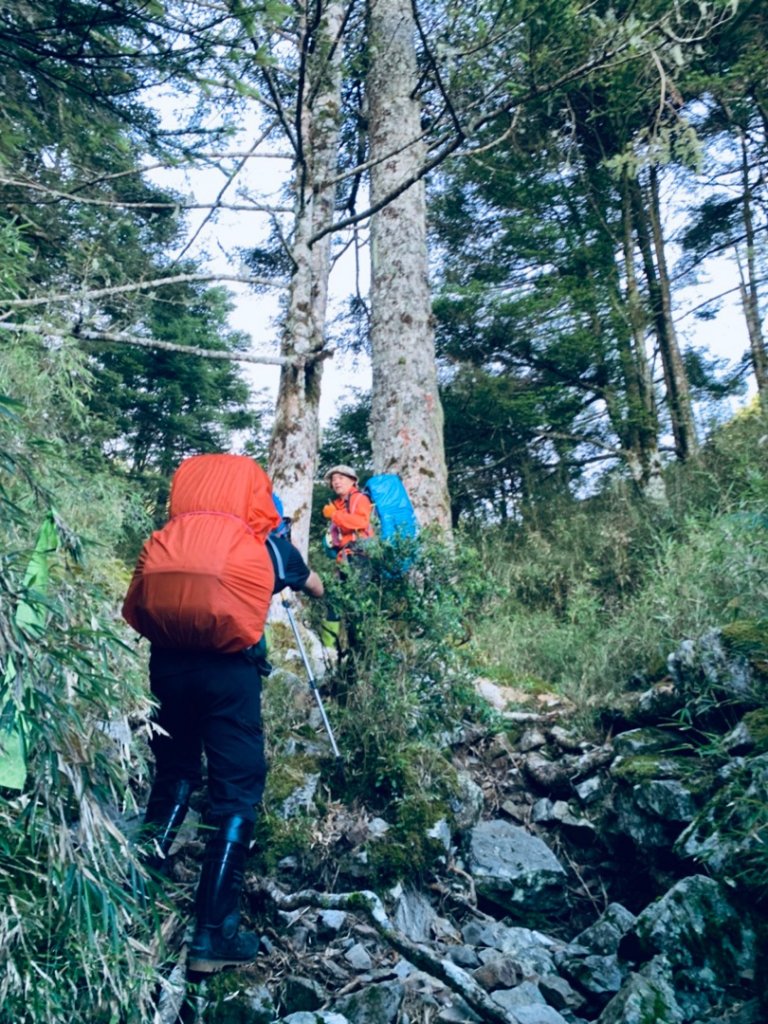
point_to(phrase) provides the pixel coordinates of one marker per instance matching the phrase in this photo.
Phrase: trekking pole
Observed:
(312, 682)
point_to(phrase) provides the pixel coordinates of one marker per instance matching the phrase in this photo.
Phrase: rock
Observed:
(319, 1017)
(445, 931)
(467, 802)
(645, 997)
(543, 1014)
(516, 810)
(751, 734)
(557, 777)
(514, 868)
(457, 1013)
(526, 1005)
(500, 750)
(377, 827)
(659, 703)
(464, 956)
(559, 994)
(558, 812)
(302, 799)
(668, 799)
(330, 923)
(705, 668)
(739, 740)
(300, 993)
(598, 977)
(531, 949)
(644, 741)
(374, 1004)
(499, 697)
(532, 739)
(501, 972)
(358, 957)
(553, 777)
(749, 1012)
(566, 740)
(414, 915)
(695, 925)
(653, 801)
(441, 831)
(604, 936)
(590, 790)
(728, 833)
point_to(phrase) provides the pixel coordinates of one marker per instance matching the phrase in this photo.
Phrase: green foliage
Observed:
(608, 587)
(731, 833)
(82, 229)
(67, 914)
(404, 684)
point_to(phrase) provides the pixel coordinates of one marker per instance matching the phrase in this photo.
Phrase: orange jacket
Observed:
(205, 581)
(350, 522)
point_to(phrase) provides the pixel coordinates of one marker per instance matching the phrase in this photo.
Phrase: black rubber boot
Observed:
(217, 943)
(166, 810)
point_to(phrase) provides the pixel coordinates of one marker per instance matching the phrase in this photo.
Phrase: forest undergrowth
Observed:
(595, 594)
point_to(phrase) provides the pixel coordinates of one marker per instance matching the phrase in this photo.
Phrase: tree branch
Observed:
(217, 201)
(57, 195)
(166, 346)
(549, 435)
(369, 904)
(135, 286)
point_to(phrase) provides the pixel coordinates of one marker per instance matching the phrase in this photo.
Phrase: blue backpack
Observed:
(284, 529)
(393, 512)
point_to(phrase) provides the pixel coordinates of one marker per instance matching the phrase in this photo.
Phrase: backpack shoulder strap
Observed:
(274, 550)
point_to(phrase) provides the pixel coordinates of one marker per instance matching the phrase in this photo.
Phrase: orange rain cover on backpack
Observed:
(205, 581)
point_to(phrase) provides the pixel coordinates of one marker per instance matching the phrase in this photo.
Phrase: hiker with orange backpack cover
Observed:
(200, 593)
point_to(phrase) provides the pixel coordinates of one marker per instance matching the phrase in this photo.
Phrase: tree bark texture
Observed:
(651, 242)
(406, 413)
(641, 443)
(295, 435)
(748, 282)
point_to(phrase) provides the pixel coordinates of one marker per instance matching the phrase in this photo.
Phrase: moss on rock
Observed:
(748, 638)
(407, 851)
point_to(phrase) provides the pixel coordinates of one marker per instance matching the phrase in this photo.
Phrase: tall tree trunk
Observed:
(654, 263)
(642, 442)
(406, 414)
(295, 435)
(748, 282)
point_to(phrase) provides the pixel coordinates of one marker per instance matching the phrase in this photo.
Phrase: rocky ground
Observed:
(617, 879)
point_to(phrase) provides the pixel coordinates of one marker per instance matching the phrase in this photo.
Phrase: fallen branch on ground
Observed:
(369, 904)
